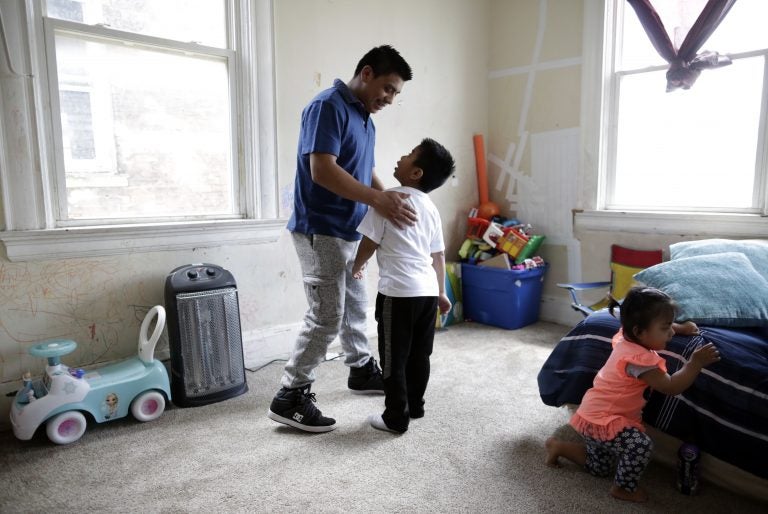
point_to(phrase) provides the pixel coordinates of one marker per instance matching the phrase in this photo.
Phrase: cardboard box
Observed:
(502, 298)
(501, 261)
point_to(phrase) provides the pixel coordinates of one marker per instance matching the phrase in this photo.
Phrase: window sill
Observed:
(66, 243)
(688, 224)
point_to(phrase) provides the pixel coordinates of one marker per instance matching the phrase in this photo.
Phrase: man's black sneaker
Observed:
(296, 408)
(366, 379)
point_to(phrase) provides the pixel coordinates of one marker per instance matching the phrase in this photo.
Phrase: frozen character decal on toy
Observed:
(28, 392)
(109, 407)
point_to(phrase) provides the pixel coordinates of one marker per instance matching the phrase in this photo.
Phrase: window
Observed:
(682, 154)
(697, 149)
(150, 117)
(162, 110)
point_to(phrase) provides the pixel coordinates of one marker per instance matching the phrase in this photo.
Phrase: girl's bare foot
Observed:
(551, 444)
(639, 495)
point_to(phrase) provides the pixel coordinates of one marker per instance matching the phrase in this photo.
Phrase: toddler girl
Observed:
(609, 417)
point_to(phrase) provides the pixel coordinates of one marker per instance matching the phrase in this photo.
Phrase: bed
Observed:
(725, 412)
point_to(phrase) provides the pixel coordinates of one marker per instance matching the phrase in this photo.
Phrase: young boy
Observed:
(411, 284)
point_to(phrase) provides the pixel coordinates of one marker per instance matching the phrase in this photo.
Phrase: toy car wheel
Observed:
(66, 428)
(148, 406)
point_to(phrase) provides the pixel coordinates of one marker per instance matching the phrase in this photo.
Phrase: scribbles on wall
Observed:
(88, 301)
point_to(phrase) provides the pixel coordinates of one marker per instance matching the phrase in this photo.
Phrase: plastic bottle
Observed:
(688, 469)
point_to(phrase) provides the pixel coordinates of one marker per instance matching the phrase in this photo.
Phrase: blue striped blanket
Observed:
(725, 412)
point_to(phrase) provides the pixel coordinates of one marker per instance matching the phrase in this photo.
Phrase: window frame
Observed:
(32, 230)
(599, 105)
(96, 33)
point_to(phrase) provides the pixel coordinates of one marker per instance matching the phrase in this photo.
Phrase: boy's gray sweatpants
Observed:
(337, 305)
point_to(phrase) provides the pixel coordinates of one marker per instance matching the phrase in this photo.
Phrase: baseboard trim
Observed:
(556, 309)
(264, 345)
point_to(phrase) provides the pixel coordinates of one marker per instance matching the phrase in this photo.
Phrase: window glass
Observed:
(741, 30)
(694, 148)
(737, 32)
(636, 48)
(145, 132)
(201, 21)
(678, 16)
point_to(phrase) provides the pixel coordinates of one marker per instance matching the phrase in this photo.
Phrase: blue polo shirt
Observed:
(334, 122)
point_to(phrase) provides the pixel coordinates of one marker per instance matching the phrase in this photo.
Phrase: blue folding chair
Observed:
(625, 262)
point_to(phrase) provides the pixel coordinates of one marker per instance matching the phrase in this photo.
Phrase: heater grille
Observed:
(204, 335)
(212, 354)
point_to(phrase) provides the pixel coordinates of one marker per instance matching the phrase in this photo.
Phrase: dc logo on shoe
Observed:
(298, 417)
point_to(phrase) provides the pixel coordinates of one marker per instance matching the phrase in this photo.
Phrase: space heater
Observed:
(205, 339)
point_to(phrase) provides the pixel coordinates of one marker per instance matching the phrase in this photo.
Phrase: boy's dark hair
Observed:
(436, 163)
(640, 307)
(384, 60)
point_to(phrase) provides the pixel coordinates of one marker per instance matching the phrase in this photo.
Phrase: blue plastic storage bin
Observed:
(502, 298)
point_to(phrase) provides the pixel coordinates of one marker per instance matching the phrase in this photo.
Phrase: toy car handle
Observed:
(147, 346)
(53, 349)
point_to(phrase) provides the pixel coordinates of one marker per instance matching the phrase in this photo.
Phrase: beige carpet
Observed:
(479, 449)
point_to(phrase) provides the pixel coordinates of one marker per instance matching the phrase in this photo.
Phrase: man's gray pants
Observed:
(337, 305)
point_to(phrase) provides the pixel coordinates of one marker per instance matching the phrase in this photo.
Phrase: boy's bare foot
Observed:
(551, 445)
(639, 495)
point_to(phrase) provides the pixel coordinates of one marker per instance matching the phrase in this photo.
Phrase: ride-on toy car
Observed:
(62, 396)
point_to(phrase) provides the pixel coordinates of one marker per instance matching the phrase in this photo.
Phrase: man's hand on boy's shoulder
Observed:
(394, 206)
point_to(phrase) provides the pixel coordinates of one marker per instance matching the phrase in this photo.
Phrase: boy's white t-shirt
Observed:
(405, 254)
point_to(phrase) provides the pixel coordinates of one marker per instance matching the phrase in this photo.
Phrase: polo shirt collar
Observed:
(348, 96)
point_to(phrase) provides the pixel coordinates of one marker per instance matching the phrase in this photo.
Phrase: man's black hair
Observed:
(384, 60)
(436, 163)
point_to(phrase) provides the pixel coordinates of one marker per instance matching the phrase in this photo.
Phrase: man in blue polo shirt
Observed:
(335, 184)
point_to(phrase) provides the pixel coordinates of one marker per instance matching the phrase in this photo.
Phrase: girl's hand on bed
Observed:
(681, 379)
(705, 355)
(687, 328)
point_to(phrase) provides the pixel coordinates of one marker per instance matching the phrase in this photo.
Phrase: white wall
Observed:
(446, 44)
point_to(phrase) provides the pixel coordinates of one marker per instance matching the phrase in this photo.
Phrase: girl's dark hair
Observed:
(640, 307)
(436, 162)
(384, 60)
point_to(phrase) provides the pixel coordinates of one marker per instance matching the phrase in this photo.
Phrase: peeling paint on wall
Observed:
(509, 166)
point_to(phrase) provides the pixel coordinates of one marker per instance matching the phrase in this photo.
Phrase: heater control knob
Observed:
(192, 274)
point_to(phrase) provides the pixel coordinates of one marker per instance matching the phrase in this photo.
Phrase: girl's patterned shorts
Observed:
(630, 450)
